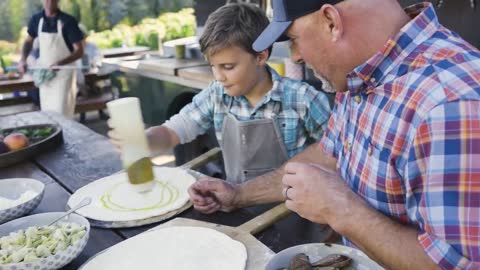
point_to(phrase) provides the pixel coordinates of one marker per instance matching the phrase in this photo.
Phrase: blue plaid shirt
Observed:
(301, 119)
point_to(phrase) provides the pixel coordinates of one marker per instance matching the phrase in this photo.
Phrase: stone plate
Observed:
(55, 139)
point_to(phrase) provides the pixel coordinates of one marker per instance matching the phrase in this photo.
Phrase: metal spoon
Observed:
(86, 201)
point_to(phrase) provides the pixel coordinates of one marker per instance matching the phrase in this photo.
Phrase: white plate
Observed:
(114, 206)
(12, 189)
(317, 251)
(52, 262)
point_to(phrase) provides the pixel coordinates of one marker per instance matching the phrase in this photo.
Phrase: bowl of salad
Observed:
(18, 144)
(28, 243)
(18, 197)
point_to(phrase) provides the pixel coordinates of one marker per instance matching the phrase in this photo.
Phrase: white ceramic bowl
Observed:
(52, 262)
(320, 250)
(12, 189)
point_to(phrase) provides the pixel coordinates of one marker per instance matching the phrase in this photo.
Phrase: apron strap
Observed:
(40, 26)
(59, 27)
(277, 106)
(230, 104)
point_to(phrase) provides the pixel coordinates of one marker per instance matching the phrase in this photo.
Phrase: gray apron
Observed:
(251, 148)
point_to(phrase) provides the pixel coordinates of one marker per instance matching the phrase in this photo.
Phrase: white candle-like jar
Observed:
(126, 118)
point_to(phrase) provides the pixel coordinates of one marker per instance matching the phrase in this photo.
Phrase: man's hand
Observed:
(317, 193)
(209, 195)
(54, 67)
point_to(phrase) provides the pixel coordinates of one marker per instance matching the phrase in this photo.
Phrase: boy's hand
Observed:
(114, 137)
(209, 195)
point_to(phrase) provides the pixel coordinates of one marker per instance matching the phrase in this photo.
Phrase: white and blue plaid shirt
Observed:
(301, 119)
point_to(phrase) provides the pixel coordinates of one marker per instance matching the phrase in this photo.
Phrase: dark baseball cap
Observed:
(284, 13)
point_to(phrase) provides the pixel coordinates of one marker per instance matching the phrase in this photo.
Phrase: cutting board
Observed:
(258, 254)
(169, 66)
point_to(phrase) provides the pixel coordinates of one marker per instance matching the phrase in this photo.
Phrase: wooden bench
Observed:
(16, 105)
(95, 103)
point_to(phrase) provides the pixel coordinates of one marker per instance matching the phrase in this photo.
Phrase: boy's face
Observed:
(236, 69)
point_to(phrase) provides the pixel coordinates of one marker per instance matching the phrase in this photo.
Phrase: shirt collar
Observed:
(423, 25)
(276, 92)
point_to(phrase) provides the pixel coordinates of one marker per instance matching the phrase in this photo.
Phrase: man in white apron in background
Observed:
(60, 42)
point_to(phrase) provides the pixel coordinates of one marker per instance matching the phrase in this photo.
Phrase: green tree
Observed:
(4, 23)
(137, 10)
(17, 17)
(100, 12)
(86, 13)
(117, 11)
(71, 7)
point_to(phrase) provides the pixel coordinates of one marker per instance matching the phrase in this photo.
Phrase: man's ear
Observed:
(262, 57)
(332, 21)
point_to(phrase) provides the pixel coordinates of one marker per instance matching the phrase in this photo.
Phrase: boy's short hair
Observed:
(236, 24)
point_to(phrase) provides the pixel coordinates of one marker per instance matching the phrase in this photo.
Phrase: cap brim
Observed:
(271, 34)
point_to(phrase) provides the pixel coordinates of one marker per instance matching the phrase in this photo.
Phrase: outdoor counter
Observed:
(87, 156)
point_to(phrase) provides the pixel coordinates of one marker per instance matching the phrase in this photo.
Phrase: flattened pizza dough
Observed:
(173, 248)
(114, 200)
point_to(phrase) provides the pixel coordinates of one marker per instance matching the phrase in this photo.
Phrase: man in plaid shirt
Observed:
(404, 134)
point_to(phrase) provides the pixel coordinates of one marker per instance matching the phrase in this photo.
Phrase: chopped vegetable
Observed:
(39, 242)
(33, 134)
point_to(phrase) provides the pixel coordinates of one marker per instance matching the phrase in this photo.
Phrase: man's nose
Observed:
(296, 57)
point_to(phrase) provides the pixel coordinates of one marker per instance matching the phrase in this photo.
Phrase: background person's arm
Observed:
(26, 49)
(74, 56)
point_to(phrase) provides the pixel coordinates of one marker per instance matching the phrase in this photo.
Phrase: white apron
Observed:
(58, 94)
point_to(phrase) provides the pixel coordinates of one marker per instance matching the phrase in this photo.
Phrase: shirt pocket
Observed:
(379, 180)
(288, 125)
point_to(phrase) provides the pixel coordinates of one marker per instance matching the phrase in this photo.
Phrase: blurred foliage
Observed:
(149, 31)
(117, 22)
(6, 47)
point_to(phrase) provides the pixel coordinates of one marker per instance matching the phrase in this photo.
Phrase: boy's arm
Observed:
(161, 139)
(195, 118)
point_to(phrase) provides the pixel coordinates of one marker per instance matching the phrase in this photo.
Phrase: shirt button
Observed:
(349, 147)
(373, 80)
(358, 99)
(370, 151)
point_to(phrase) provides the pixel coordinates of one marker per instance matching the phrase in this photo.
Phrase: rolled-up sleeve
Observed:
(195, 118)
(444, 179)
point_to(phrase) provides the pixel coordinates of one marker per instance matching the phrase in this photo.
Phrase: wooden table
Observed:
(23, 84)
(199, 73)
(87, 156)
(170, 66)
(26, 82)
(165, 69)
(124, 51)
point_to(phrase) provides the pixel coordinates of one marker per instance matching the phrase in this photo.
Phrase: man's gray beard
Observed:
(327, 86)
